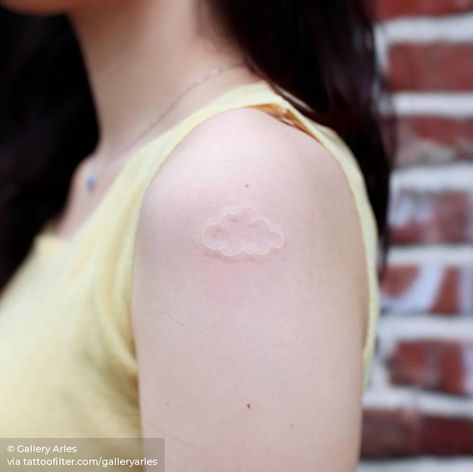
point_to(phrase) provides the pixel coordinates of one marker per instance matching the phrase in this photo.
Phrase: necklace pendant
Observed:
(90, 183)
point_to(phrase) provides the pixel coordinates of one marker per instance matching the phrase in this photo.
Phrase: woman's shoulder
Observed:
(225, 152)
(245, 158)
(247, 255)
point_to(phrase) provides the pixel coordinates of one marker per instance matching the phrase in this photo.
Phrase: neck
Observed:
(141, 55)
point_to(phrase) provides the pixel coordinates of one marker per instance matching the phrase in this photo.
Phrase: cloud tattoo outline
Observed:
(214, 234)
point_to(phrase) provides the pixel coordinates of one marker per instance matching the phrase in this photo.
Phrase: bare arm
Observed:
(248, 304)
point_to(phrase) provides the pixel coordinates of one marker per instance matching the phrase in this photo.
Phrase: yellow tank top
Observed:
(67, 358)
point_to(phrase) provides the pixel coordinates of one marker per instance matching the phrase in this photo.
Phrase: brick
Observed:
(431, 67)
(393, 8)
(428, 288)
(444, 366)
(390, 433)
(431, 217)
(434, 140)
(447, 437)
(407, 432)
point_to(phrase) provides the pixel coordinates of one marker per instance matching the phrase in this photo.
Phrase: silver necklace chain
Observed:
(92, 178)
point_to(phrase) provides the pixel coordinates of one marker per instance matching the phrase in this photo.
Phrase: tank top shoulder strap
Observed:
(259, 95)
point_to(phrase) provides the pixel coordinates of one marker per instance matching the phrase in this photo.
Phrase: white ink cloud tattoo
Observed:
(241, 232)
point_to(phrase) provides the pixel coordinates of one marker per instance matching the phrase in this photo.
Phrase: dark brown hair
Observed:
(320, 51)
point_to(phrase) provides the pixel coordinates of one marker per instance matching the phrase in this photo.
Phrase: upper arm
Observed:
(250, 361)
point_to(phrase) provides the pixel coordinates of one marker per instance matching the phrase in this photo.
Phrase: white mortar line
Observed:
(418, 464)
(448, 28)
(454, 176)
(445, 104)
(411, 327)
(406, 398)
(454, 256)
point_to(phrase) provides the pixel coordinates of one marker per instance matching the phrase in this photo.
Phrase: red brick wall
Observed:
(419, 403)
(395, 8)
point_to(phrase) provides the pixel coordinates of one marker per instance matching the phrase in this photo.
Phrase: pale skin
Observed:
(249, 360)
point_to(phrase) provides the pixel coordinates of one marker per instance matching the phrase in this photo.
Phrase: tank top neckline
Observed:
(253, 93)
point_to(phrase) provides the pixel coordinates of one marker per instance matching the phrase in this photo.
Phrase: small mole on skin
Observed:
(166, 403)
(248, 406)
(291, 425)
(246, 185)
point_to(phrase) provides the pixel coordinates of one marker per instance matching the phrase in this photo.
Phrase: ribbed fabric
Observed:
(67, 357)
